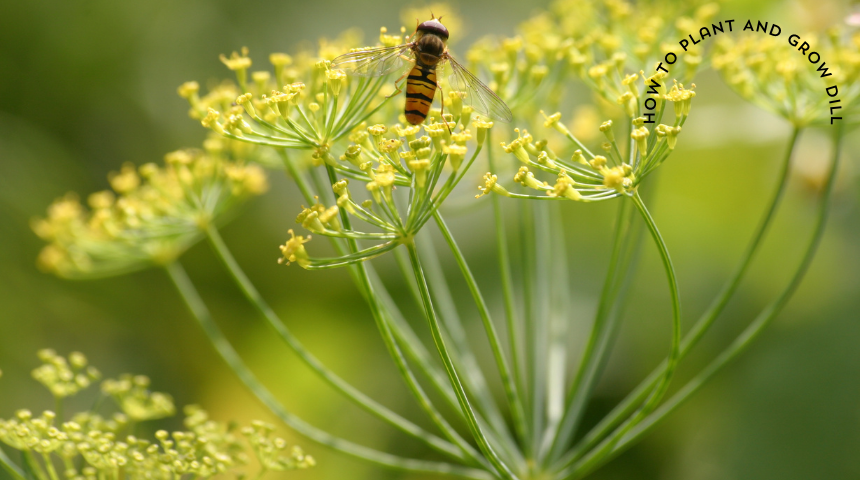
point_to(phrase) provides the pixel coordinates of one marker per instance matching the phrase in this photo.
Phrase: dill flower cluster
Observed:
(775, 75)
(597, 42)
(383, 159)
(152, 214)
(587, 176)
(328, 115)
(89, 446)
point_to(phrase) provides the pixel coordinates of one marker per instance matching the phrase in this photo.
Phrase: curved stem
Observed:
(589, 364)
(597, 457)
(228, 354)
(396, 354)
(406, 337)
(311, 361)
(514, 400)
(758, 324)
(511, 318)
(462, 354)
(502, 470)
(10, 467)
(626, 407)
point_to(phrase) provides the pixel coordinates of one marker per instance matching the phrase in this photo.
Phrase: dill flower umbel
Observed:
(152, 214)
(384, 159)
(91, 447)
(597, 42)
(799, 86)
(588, 177)
(330, 118)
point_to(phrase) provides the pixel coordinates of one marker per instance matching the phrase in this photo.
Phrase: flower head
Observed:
(771, 73)
(152, 215)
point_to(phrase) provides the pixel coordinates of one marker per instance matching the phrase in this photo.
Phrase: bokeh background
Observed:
(86, 85)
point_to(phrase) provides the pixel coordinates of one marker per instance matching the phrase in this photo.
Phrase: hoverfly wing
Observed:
(374, 62)
(478, 95)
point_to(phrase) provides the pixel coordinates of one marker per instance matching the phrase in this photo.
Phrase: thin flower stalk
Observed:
(514, 348)
(10, 467)
(201, 313)
(462, 354)
(601, 332)
(335, 381)
(745, 339)
(501, 469)
(705, 320)
(394, 350)
(601, 451)
(514, 402)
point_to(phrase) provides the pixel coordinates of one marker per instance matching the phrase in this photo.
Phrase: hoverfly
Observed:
(426, 50)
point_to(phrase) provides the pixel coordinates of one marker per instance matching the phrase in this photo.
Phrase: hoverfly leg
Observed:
(398, 88)
(417, 23)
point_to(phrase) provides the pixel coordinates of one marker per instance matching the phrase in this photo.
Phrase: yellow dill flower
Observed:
(136, 401)
(797, 85)
(152, 216)
(294, 250)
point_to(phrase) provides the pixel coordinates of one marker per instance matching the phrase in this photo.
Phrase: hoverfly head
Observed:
(435, 27)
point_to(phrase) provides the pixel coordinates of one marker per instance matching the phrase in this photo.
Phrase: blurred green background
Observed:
(86, 85)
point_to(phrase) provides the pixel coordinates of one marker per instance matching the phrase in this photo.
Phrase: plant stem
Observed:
(511, 317)
(401, 329)
(10, 467)
(462, 355)
(758, 324)
(228, 354)
(597, 456)
(586, 374)
(539, 325)
(514, 400)
(311, 361)
(501, 469)
(558, 323)
(701, 326)
(49, 466)
(33, 466)
(394, 350)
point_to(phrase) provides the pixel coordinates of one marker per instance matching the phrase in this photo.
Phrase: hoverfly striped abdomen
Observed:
(420, 89)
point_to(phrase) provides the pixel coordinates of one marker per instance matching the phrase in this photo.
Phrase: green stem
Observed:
(10, 467)
(501, 469)
(559, 323)
(597, 456)
(401, 329)
(49, 465)
(586, 374)
(514, 400)
(33, 465)
(743, 341)
(462, 355)
(228, 354)
(511, 317)
(626, 407)
(396, 354)
(537, 329)
(527, 261)
(311, 361)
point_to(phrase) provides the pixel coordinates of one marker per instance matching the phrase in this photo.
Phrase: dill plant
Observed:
(371, 185)
(93, 444)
